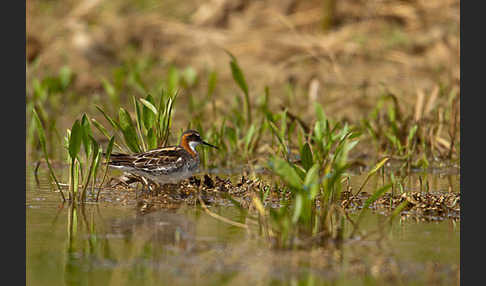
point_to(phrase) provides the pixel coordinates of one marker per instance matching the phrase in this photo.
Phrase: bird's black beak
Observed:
(207, 144)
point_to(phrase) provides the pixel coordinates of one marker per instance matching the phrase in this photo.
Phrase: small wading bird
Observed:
(166, 165)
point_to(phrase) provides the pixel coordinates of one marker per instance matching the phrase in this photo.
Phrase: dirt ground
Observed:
(343, 54)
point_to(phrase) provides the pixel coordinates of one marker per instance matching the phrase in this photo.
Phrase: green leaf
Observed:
(100, 127)
(190, 76)
(230, 134)
(97, 152)
(172, 80)
(42, 141)
(378, 166)
(275, 131)
(298, 208)
(320, 131)
(411, 133)
(86, 135)
(149, 105)
(240, 80)
(135, 80)
(249, 136)
(283, 124)
(40, 131)
(398, 209)
(394, 140)
(149, 111)
(65, 76)
(112, 122)
(354, 134)
(306, 157)
(350, 145)
(94, 145)
(286, 172)
(376, 195)
(311, 180)
(139, 123)
(299, 171)
(40, 91)
(92, 166)
(109, 89)
(75, 176)
(138, 113)
(151, 139)
(321, 116)
(66, 138)
(212, 80)
(238, 74)
(109, 147)
(128, 130)
(75, 139)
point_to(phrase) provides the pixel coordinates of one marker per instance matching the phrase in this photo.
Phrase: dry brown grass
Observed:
(407, 47)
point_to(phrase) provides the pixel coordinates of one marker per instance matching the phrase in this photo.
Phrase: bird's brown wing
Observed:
(164, 159)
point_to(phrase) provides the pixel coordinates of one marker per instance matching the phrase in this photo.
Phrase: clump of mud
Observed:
(212, 190)
(217, 191)
(420, 206)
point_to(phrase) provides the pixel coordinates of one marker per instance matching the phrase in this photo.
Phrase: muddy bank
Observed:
(217, 191)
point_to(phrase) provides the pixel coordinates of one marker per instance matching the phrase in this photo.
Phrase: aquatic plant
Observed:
(313, 212)
(88, 165)
(151, 127)
(417, 137)
(45, 97)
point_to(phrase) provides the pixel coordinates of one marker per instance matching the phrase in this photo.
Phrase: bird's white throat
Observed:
(193, 145)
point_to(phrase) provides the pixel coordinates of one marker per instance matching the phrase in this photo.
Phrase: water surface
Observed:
(109, 244)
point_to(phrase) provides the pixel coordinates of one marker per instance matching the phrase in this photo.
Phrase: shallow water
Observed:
(107, 244)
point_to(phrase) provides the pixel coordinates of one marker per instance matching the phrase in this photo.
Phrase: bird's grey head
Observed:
(192, 138)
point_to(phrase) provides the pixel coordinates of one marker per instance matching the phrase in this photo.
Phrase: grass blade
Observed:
(109, 149)
(376, 195)
(240, 80)
(42, 140)
(74, 177)
(109, 119)
(96, 167)
(103, 130)
(369, 175)
(398, 209)
(95, 147)
(139, 123)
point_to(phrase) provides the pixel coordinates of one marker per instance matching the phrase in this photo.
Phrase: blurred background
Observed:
(338, 52)
(343, 54)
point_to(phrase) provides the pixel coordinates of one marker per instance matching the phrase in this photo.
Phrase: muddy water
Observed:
(108, 244)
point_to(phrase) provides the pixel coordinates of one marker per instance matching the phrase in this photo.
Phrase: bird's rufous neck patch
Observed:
(185, 145)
